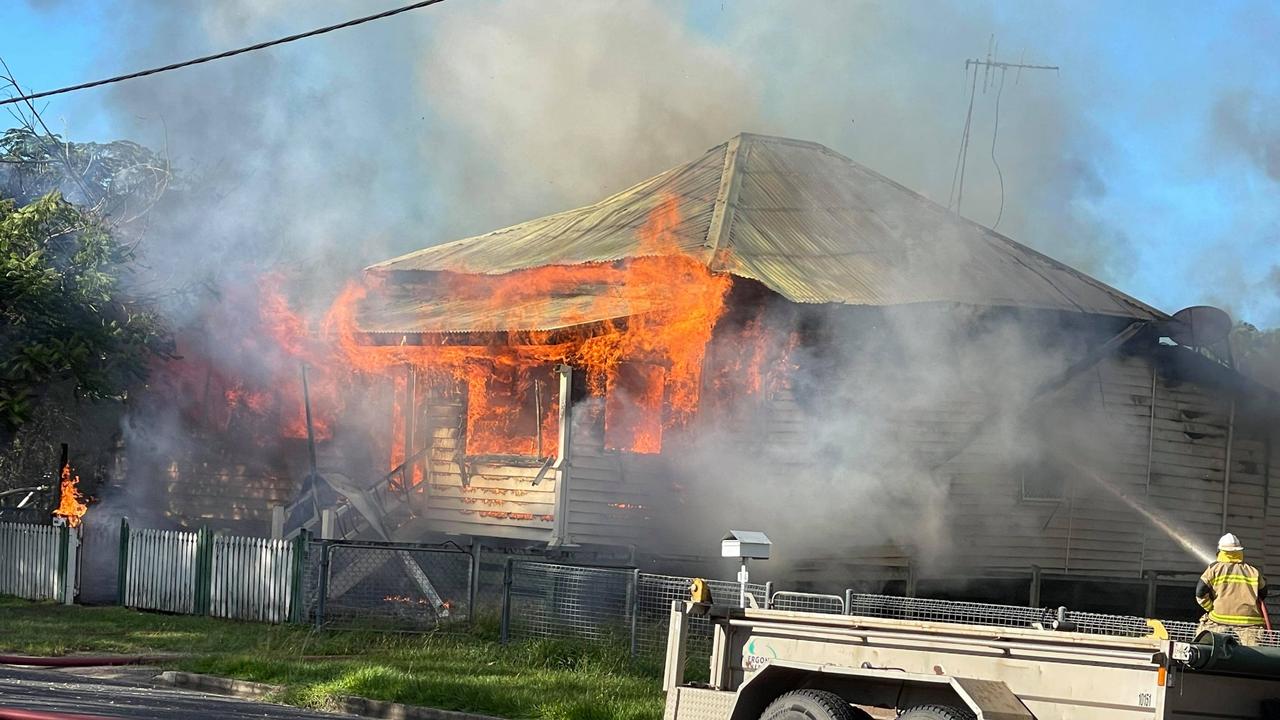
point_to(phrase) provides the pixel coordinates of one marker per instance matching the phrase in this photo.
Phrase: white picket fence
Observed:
(252, 579)
(242, 578)
(161, 571)
(37, 562)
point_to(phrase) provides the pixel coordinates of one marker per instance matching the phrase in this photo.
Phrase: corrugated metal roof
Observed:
(417, 309)
(808, 223)
(603, 232)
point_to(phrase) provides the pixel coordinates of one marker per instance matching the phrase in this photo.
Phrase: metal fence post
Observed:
(505, 633)
(122, 564)
(204, 572)
(296, 601)
(322, 588)
(473, 587)
(768, 594)
(635, 612)
(848, 601)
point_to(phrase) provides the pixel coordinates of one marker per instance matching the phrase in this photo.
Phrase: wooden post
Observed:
(1226, 466)
(410, 424)
(537, 416)
(57, 477)
(277, 522)
(560, 529)
(328, 524)
(71, 566)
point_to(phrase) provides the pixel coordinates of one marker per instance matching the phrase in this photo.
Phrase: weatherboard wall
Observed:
(608, 491)
(1168, 457)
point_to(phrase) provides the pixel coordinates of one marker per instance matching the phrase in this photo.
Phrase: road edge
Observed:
(364, 707)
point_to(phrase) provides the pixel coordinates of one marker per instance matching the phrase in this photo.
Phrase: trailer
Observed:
(783, 665)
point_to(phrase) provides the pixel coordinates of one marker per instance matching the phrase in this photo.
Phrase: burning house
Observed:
(774, 335)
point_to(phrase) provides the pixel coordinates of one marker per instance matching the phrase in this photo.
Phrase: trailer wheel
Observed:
(812, 705)
(935, 712)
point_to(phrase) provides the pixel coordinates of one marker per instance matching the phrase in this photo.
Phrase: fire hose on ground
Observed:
(85, 660)
(21, 714)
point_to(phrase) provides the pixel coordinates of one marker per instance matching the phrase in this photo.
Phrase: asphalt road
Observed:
(128, 693)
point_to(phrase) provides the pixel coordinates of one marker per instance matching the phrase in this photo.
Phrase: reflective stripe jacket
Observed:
(1230, 591)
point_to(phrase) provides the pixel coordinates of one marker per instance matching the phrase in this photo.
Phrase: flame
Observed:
(673, 303)
(636, 331)
(72, 506)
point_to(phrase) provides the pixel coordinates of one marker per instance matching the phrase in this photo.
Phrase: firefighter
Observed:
(1232, 593)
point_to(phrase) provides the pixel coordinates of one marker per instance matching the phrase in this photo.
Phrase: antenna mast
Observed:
(988, 68)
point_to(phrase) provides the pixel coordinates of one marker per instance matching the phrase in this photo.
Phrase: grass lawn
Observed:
(467, 671)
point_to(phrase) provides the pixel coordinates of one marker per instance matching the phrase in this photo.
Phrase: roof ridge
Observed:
(726, 198)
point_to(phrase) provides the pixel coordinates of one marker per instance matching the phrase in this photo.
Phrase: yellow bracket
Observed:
(699, 592)
(1158, 630)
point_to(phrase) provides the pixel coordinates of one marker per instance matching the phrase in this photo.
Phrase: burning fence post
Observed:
(55, 485)
(67, 582)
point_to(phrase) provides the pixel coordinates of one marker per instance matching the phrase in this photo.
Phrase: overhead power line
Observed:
(221, 55)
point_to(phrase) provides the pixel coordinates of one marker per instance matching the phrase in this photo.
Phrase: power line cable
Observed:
(225, 54)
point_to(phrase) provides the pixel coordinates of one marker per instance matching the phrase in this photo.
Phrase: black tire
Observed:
(935, 712)
(812, 705)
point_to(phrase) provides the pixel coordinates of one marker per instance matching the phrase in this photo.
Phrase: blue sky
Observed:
(1167, 205)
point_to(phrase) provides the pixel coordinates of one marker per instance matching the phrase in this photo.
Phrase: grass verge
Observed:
(466, 671)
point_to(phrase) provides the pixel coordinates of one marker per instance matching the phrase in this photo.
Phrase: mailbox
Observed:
(745, 544)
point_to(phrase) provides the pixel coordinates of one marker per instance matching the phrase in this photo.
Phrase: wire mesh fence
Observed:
(947, 611)
(389, 586)
(623, 605)
(971, 613)
(808, 602)
(408, 587)
(654, 609)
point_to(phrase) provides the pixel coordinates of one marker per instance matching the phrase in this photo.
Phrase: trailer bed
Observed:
(999, 673)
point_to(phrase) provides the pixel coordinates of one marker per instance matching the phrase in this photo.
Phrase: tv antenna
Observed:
(993, 71)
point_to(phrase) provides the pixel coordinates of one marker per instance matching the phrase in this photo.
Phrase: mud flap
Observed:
(991, 699)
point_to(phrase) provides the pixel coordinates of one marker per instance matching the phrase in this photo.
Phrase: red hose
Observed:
(16, 714)
(79, 661)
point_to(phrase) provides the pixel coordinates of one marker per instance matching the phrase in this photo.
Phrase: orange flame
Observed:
(673, 303)
(636, 330)
(72, 506)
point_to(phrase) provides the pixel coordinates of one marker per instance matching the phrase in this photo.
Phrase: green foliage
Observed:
(63, 314)
(1257, 353)
(116, 181)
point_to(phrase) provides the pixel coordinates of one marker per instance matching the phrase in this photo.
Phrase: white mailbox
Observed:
(745, 544)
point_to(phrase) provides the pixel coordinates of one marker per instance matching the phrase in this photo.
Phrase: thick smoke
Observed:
(320, 157)
(1246, 129)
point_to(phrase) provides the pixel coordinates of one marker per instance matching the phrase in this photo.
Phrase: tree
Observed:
(64, 315)
(1257, 353)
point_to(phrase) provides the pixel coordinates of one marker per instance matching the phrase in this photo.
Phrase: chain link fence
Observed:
(371, 585)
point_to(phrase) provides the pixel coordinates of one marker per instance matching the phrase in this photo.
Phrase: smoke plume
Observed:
(318, 158)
